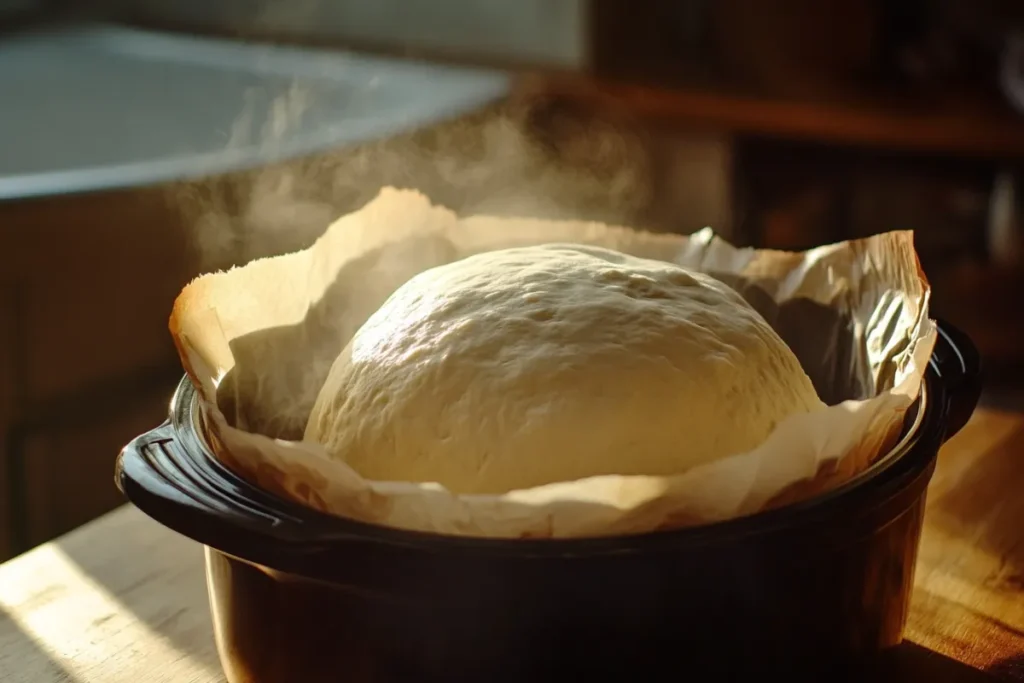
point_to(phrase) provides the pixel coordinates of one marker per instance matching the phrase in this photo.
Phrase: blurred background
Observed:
(143, 142)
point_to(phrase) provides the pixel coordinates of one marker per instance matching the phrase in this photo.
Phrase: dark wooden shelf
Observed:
(959, 125)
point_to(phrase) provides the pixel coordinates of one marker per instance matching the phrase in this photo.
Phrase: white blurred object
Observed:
(1011, 70)
(94, 107)
(1004, 229)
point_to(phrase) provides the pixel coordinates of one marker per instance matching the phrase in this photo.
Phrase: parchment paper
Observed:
(259, 340)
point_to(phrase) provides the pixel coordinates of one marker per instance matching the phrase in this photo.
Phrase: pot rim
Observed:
(172, 475)
(191, 417)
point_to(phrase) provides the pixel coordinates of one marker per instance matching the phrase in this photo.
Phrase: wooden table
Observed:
(124, 599)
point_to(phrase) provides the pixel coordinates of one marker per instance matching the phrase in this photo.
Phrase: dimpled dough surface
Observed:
(527, 366)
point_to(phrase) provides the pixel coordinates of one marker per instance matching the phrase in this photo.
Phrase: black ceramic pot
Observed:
(300, 596)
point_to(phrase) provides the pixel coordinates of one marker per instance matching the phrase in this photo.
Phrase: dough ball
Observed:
(526, 366)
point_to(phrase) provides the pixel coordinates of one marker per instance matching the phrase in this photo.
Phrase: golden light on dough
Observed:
(529, 366)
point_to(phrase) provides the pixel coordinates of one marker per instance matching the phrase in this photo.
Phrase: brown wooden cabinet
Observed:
(86, 362)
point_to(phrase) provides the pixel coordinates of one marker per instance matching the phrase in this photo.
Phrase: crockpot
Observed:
(301, 596)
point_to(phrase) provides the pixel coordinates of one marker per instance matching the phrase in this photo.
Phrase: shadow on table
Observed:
(1009, 669)
(22, 660)
(910, 663)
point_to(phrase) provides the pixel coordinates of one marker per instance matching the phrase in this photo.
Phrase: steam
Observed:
(534, 158)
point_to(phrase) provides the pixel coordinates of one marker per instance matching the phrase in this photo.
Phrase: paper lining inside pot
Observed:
(259, 340)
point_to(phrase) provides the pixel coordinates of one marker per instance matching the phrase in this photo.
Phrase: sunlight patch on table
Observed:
(80, 625)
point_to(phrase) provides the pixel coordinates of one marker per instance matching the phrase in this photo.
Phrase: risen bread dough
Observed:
(526, 366)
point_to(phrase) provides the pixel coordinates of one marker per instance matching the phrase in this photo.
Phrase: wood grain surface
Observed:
(969, 585)
(123, 599)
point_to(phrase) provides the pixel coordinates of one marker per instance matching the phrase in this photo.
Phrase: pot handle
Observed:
(143, 467)
(161, 476)
(956, 362)
(167, 475)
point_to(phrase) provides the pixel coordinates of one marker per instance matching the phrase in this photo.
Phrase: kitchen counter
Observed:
(123, 599)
